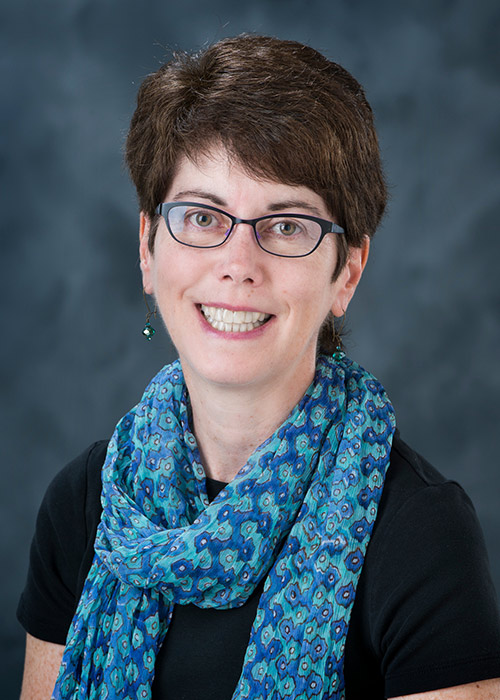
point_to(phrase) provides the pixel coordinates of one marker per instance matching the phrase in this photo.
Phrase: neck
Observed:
(230, 423)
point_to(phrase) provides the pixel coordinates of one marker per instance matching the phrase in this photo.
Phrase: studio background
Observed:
(426, 316)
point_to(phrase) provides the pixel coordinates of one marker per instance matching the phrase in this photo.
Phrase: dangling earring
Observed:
(338, 353)
(148, 331)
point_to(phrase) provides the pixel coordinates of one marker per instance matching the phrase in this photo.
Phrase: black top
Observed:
(424, 617)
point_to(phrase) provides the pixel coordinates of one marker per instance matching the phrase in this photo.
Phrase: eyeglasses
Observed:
(285, 235)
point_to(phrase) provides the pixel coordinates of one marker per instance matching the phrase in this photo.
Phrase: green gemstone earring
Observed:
(338, 353)
(148, 331)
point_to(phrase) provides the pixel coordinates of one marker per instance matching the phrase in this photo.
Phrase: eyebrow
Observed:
(200, 193)
(294, 204)
(282, 206)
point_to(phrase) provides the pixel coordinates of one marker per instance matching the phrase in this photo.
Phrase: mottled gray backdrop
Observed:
(426, 317)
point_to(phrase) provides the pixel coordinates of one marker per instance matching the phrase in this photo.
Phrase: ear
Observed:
(349, 277)
(146, 257)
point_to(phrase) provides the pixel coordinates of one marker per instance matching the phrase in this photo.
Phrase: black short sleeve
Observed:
(62, 547)
(439, 613)
(427, 613)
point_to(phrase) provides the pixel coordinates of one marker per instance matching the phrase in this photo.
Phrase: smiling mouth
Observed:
(233, 321)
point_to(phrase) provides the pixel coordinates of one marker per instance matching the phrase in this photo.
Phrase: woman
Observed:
(265, 532)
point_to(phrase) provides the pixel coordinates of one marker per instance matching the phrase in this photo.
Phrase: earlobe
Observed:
(350, 276)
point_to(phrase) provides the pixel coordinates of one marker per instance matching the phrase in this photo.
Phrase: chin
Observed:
(227, 371)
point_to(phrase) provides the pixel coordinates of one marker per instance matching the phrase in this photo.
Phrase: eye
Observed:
(286, 228)
(203, 219)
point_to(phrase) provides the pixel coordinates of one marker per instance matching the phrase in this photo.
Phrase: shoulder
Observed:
(415, 489)
(74, 493)
(84, 471)
(424, 520)
(409, 471)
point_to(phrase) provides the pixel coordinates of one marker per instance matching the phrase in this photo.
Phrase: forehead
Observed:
(217, 178)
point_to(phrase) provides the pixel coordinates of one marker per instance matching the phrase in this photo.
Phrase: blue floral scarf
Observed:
(299, 514)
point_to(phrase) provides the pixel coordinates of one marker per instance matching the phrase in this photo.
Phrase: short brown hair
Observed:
(281, 109)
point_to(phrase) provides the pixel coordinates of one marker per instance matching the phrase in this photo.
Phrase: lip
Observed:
(232, 307)
(234, 335)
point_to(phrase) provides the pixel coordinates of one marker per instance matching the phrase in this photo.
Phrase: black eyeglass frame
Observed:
(326, 226)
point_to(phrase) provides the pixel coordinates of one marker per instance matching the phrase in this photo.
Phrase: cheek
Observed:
(168, 285)
(311, 295)
(176, 274)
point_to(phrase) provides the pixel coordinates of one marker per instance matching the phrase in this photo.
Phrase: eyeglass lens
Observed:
(205, 228)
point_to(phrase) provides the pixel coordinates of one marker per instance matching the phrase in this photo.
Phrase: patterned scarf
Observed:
(299, 514)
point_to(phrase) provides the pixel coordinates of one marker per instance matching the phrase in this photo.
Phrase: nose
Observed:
(240, 258)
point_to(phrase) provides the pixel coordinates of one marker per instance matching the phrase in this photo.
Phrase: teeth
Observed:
(233, 321)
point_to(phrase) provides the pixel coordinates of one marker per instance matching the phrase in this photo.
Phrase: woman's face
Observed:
(295, 295)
